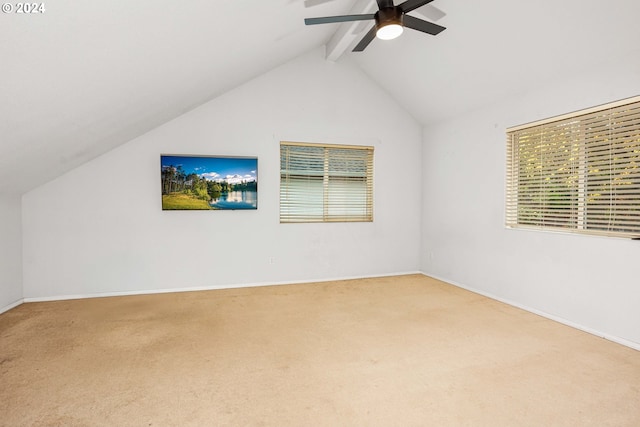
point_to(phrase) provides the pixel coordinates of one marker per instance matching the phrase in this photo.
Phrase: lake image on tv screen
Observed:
(209, 182)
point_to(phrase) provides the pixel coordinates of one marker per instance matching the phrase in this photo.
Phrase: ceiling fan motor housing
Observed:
(389, 15)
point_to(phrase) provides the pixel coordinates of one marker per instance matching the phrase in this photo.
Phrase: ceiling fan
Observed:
(389, 20)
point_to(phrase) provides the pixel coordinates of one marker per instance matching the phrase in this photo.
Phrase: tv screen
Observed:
(209, 182)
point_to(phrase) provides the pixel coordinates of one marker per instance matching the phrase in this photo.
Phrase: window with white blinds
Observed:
(577, 173)
(325, 183)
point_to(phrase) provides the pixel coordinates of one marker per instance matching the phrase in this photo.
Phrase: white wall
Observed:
(591, 282)
(10, 251)
(100, 228)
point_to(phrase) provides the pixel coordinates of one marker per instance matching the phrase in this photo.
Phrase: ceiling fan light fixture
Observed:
(389, 31)
(389, 23)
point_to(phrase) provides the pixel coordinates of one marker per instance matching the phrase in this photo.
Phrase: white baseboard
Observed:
(207, 288)
(609, 337)
(10, 306)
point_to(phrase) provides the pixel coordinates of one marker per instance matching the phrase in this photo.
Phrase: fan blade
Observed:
(366, 40)
(410, 5)
(342, 18)
(420, 25)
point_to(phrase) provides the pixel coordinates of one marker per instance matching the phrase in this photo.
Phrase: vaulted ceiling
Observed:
(84, 77)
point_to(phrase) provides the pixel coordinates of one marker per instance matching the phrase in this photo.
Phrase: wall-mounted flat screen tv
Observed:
(209, 182)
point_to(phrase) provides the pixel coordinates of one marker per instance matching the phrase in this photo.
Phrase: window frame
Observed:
(339, 203)
(586, 137)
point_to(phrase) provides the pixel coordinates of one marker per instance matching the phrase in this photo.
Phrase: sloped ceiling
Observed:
(493, 49)
(84, 77)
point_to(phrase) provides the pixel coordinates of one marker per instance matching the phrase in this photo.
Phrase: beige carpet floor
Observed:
(396, 351)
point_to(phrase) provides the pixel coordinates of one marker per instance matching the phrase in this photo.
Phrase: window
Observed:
(325, 183)
(578, 173)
